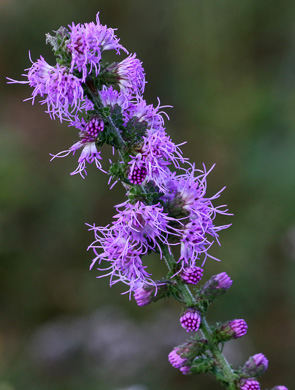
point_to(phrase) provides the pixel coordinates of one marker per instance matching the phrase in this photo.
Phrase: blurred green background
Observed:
(227, 67)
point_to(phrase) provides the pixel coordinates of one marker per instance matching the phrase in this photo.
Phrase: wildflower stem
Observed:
(229, 376)
(221, 360)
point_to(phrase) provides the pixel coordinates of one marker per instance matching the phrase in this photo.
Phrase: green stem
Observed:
(224, 366)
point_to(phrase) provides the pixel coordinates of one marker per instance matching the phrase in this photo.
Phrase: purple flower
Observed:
(249, 384)
(136, 230)
(256, 365)
(187, 194)
(63, 92)
(232, 330)
(89, 133)
(191, 275)
(142, 222)
(279, 388)
(190, 320)
(130, 75)
(122, 256)
(87, 42)
(175, 359)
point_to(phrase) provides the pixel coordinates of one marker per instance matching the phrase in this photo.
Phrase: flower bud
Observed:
(190, 320)
(191, 275)
(231, 330)
(175, 359)
(216, 286)
(249, 384)
(185, 370)
(279, 388)
(256, 365)
(146, 293)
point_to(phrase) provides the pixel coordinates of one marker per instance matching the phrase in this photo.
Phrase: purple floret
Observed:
(86, 44)
(62, 91)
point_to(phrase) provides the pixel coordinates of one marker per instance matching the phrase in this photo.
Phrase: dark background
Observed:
(227, 67)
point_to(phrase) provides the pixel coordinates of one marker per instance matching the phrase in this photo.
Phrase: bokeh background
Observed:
(227, 67)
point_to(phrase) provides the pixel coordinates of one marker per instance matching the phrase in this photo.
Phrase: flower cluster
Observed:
(105, 103)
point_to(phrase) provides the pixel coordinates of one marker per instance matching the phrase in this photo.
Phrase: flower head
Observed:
(191, 275)
(175, 358)
(142, 222)
(136, 229)
(86, 44)
(256, 365)
(62, 91)
(249, 384)
(191, 320)
(187, 195)
(121, 255)
(130, 75)
(232, 330)
(216, 286)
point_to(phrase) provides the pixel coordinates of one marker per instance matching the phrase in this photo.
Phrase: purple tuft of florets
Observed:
(198, 232)
(62, 91)
(86, 44)
(191, 320)
(249, 384)
(256, 365)
(279, 388)
(191, 275)
(137, 229)
(130, 75)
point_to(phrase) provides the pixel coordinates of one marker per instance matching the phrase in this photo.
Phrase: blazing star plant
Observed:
(166, 210)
